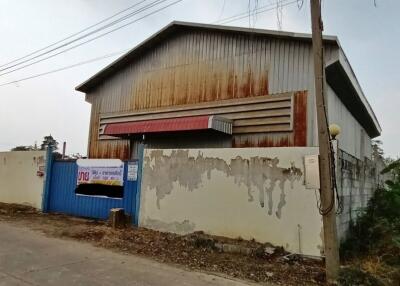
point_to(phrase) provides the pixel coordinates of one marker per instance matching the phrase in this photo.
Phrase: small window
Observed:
(100, 190)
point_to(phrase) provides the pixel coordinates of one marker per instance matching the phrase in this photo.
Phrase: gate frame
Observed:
(141, 147)
(48, 178)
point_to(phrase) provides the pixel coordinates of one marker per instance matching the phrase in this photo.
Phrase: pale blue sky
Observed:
(31, 109)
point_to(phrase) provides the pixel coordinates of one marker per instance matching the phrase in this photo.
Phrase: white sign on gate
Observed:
(132, 171)
(100, 171)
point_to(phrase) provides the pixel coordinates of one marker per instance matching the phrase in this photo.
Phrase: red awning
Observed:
(168, 125)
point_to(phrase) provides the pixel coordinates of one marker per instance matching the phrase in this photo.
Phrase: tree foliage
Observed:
(23, 148)
(49, 141)
(376, 232)
(377, 150)
(394, 170)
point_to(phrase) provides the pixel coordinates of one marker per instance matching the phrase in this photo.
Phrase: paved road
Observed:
(30, 258)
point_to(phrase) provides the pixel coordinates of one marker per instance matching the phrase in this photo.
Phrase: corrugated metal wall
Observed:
(203, 66)
(62, 197)
(266, 121)
(352, 139)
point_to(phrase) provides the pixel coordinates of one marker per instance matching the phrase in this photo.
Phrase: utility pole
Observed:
(326, 188)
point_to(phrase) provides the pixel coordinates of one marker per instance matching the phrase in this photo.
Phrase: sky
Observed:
(31, 109)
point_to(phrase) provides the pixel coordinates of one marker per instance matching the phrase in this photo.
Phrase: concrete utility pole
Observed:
(326, 191)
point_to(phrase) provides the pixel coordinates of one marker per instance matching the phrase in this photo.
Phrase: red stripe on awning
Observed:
(158, 125)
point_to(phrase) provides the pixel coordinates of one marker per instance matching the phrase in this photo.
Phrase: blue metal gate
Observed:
(61, 195)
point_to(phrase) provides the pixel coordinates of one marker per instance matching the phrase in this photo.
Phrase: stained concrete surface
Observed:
(30, 258)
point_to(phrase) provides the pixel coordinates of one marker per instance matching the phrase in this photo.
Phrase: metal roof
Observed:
(342, 80)
(175, 26)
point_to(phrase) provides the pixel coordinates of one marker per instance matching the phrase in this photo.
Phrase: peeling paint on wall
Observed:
(256, 173)
(254, 193)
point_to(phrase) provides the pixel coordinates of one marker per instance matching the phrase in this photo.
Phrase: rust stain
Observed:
(200, 82)
(230, 85)
(265, 142)
(118, 149)
(245, 87)
(300, 118)
(235, 87)
(284, 140)
(219, 90)
(251, 85)
(214, 88)
(236, 143)
(264, 84)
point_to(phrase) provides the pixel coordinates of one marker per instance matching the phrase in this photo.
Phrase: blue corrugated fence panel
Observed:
(62, 197)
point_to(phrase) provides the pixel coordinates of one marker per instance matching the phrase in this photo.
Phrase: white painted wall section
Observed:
(19, 181)
(235, 192)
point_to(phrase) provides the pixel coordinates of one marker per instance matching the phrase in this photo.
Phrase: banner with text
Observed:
(100, 171)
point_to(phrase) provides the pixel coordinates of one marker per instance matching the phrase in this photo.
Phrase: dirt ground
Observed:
(248, 260)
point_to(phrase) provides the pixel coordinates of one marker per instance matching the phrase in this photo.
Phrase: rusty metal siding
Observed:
(276, 109)
(271, 120)
(200, 67)
(105, 148)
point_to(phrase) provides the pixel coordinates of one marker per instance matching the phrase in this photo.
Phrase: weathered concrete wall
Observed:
(235, 192)
(357, 181)
(19, 182)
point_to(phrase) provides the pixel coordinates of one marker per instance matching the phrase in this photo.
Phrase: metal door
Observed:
(62, 198)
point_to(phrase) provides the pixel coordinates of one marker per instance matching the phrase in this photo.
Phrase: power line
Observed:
(258, 11)
(222, 10)
(238, 17)
(74, 34)
(88, 34)
(65, 68)
(230, 19)
(92, 39)
(245, 14)
(223, 21)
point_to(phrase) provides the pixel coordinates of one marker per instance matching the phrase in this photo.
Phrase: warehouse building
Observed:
(197, 86)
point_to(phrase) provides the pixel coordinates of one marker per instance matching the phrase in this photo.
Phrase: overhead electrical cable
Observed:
(74, 34)
(223, 21)
(92, 39)
(226, 20)
(152, 4)
(258, 11)
(65, 68)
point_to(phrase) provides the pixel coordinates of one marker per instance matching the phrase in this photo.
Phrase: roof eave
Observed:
(342, 80)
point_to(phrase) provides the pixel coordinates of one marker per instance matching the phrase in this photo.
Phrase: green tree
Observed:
(394, 170)
(49, 141)
(22, 148)
(377, 150)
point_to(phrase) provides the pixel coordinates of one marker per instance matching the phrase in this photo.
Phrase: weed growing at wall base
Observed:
(372, 245)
